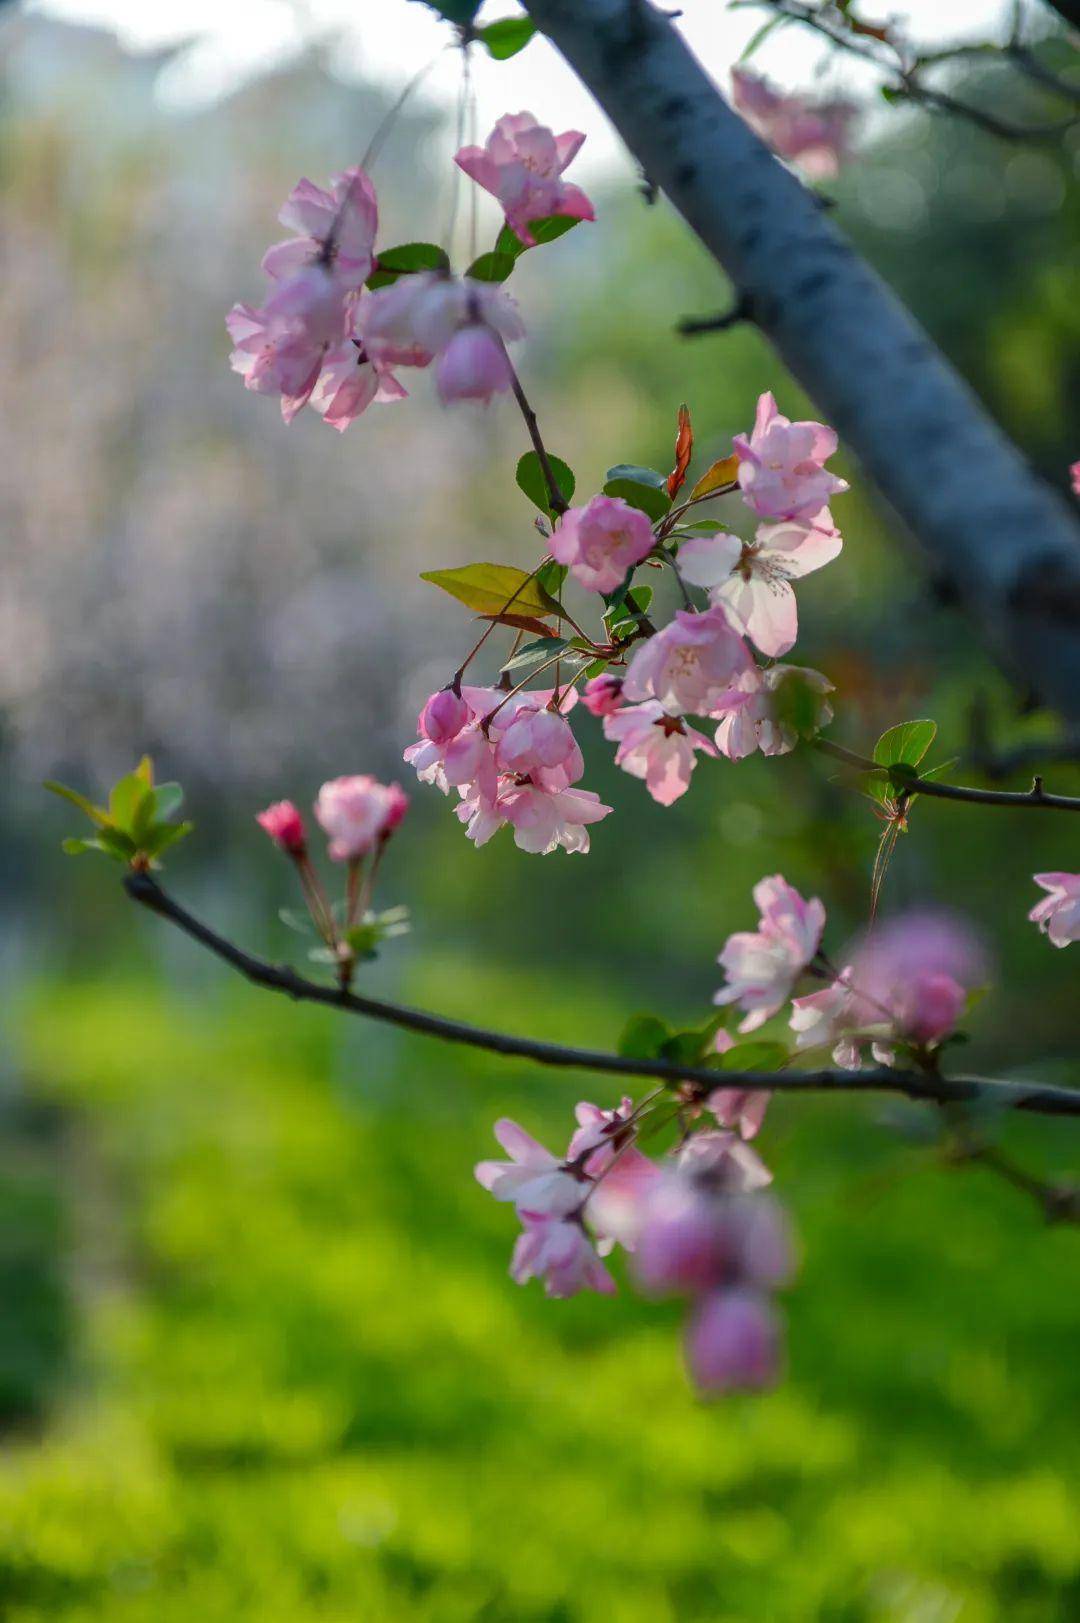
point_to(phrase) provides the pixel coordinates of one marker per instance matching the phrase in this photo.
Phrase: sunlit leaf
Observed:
(494, 589)
(724, 472)
(491, 267)
(684, 446)
(506, 36)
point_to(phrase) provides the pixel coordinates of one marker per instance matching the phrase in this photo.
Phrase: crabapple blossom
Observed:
(534, 1179)
(562, 1255)
(690, 664)
(815, 135)
(543, 821)
(602, 695)
(782, 470)
(760, 709)
(1058, 913)
(274, 357)
(539, 744)
(762, 966)
(839, 1018)
(733, 1342)
(443, 716)
(1074, 477)
(601, 541)
(358, 811)
(285, 826)
(349, 382)
(728, 1158)
(335, 235)
(461, 324)
(657, 747)
(742, 1109)
(754, 577)
(598, 1130)
(915, 972)
(521, 163)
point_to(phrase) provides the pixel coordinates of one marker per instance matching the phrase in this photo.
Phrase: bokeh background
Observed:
(259, 1356)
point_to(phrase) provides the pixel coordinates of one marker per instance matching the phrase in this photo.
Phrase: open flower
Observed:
(461, 324)
(335, 233)
(657, 747)
(562, 1255)
(782, 467)
(274, 356)
(762, 966)
(690, 664)
(754, 577)
(534, 1179)
(543, 821)
(601, 541)
(1058, 913)
(521, 164)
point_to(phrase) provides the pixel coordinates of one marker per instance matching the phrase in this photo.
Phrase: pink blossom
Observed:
(601, 541)
(521, 164)
(657, 747)
(695, 1236)
(916, 971)
(598, 1129)
(533, 1178)
(443, 716)
(782, 472)
(348, 384)
(762, 966)
(602, 695)
(757, 711)
(539, 744)
(729, 1161)
(462, 323)
(1058, 913)
(285, 826)
(1074, 476)
(739, 1108)
(561, 1254)
(815, 135)
(733, 1342)
(335, 232)
(356, 812)
(754, 577)
(274, 357)
(543, 821)
(690, 664)
(473, 366)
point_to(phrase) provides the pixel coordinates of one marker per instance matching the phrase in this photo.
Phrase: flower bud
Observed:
(443, 716)
(285, 827)
(473, 366)
(733, 1342)
(602, 695)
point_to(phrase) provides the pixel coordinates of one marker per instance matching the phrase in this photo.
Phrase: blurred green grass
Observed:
(300, 1386)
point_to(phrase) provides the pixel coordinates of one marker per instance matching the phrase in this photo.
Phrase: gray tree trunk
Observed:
(1000, 539)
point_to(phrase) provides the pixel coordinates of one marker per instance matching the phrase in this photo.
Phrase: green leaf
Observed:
(906, 743)
(643, 1037)
(96, 814)
(643, 596)
(546, 229)
(552, 576)
(650, 501)
(638, 475)
(406, 259)
(491, 267)
(162, 835)
(754, 1056)
(530, 479)
(126, 800)
(597, 668)
(695, 1046)
(507, 36)
(494, 589)
(533, 652)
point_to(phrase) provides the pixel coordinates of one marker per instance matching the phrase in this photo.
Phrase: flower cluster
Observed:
(696, 1224)
(815, 135)
(513, 759)
(331, 334)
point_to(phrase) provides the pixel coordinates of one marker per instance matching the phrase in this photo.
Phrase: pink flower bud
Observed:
(443, 716)
(679, 1247)
(473, 366)
(356, 812)
(602, 695)
(733, 1342)
(285, 827)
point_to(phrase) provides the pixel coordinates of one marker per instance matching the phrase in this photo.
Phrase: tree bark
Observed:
(996, 537)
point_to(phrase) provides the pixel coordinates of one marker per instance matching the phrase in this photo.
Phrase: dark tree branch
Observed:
(742, 310)
(1036, 797)
(1041, 1099)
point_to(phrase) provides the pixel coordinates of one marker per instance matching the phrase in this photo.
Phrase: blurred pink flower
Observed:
(602, 695)
(285, 826)
(356, 812)
(815, 135)
(1074, 475)
(562, 1255)
(740, 1108)
(521, 164)
(916, 971)
(733, 1342)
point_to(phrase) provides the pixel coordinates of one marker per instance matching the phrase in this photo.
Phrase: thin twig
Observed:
(1058, 1201)
(742, 310)
(1039, 1098)
(1036, 796)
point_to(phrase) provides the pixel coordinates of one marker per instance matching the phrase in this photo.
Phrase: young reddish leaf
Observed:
(521, 622)
(684, 445)
(724, 472)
